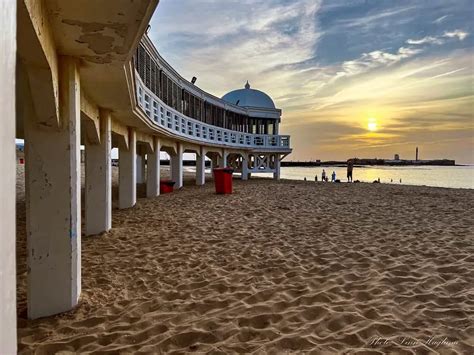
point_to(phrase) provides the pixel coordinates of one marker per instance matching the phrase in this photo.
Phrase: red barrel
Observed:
(166, 186)
(223, 180)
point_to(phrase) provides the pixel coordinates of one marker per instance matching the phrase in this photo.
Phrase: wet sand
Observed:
(276, 267)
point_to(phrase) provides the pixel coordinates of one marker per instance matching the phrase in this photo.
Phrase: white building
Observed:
(83, 72)
(245, 122)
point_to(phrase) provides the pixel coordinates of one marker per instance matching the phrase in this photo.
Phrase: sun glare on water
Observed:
(372, 125)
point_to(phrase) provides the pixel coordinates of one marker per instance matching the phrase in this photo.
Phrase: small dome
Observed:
(249, 98)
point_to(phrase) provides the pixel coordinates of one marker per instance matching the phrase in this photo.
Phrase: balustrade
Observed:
(177, 123)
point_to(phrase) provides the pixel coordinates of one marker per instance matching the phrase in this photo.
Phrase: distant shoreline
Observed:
(371, 162)
(304, 164)
(384, 183)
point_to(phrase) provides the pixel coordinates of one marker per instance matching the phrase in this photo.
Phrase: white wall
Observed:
(7, 178)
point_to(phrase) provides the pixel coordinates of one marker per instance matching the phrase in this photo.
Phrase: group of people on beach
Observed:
(350, 167)
(325, 177)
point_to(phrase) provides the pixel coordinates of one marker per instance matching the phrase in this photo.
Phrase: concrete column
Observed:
(214, 161)
(128, 172)
(53, 203)
(245, 168)
(176, 161)
(140, 165)
(222, 160)
(98, 194)
(201, 167)
(7, 179)
(153, 170)
(276, 174)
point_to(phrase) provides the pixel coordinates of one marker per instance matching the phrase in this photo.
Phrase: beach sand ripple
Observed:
(276, 267)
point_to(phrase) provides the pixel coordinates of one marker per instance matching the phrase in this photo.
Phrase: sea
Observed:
(437, 176)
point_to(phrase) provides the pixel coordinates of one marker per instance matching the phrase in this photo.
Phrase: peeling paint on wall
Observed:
(101, 38)
(89, 27)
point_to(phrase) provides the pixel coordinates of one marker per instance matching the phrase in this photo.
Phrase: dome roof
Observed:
(249, 98)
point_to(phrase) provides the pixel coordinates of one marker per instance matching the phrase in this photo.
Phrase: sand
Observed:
(277, 267)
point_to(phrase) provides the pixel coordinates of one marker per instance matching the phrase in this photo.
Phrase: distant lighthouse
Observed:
(416, 153)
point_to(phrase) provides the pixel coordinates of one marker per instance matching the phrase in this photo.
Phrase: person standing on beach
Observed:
(323, 175)
(333, 176)
(350, 166)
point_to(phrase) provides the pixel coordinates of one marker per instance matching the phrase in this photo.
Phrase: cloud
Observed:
(370, 20)
(426, 40)
(441, 19)
(448, 73)
(460, 35)
(456, 33)
(322, 80)
(240, 41)
(375, 59)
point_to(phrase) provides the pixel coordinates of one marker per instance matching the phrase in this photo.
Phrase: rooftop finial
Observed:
(247, 86)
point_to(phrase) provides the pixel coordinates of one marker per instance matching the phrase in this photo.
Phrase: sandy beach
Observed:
(276, 267)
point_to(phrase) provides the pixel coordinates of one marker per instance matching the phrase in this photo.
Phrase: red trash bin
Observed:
(166, 186)
(223, 180)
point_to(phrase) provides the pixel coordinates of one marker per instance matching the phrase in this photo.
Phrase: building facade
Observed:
(84, 73)
(244, 122)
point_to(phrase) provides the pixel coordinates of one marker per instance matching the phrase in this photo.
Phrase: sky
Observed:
(354, 78)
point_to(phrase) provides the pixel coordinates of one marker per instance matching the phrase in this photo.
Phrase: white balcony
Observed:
(178, 124)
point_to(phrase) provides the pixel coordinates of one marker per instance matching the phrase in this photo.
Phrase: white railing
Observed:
(177, 123)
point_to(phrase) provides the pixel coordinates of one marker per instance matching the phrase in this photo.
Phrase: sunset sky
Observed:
(354, 78)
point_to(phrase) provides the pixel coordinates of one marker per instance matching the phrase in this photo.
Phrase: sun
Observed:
(372, 125)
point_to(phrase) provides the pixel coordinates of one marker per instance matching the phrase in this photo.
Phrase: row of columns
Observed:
(53, 192)
(53, 197)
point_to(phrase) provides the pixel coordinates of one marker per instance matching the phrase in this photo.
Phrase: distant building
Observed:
(397, 157)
